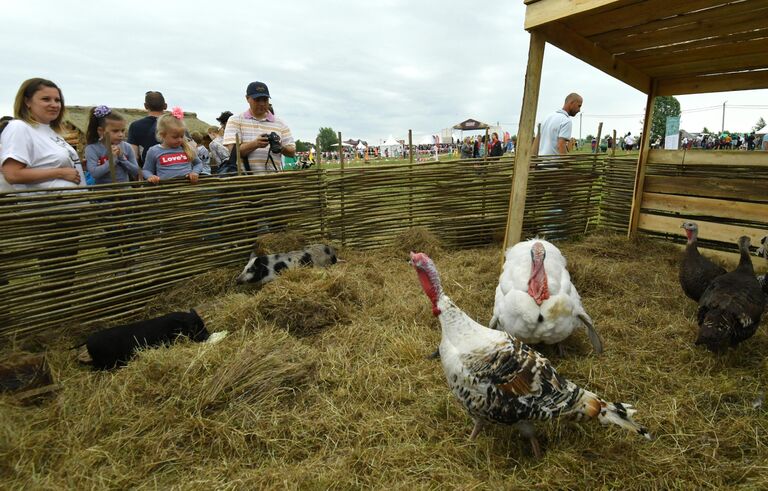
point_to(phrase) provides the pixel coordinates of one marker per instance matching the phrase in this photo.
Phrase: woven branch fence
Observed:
(99, 255)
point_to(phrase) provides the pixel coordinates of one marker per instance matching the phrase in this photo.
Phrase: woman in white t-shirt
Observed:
(33, 154)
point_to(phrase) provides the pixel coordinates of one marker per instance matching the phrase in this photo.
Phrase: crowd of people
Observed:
(726, 141)
(35, 156)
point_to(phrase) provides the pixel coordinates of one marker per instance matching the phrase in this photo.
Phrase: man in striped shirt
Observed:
(253, 126)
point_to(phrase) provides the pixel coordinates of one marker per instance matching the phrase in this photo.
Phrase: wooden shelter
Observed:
(661, 48)
(76, 122)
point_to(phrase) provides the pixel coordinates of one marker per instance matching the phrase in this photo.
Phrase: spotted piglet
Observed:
(260, 270)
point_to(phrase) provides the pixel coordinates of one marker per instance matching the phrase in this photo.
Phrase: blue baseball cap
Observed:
(257, 89)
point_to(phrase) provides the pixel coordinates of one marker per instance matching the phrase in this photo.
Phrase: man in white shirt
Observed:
(556, 129)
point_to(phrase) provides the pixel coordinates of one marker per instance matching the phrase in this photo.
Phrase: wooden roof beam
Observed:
(543, 12)
(564, 38)
(714, 83)
(642, 13)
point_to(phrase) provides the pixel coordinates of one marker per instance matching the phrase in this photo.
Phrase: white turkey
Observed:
(730, 309)
(535, 299)
(499, 379)
(696, 271)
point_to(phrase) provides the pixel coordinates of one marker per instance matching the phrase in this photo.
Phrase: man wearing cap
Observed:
(141, 133)
(253, 126)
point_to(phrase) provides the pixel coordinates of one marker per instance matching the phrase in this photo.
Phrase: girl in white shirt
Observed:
(34, 155)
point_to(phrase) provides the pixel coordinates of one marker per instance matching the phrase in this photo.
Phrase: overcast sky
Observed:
(367, 69)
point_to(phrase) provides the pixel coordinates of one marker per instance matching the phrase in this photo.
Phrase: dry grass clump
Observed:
(307, 300)
(417, 239)
(272, 243)
(353, 403)
(198, 290)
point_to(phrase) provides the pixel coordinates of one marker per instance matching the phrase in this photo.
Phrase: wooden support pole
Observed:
(613, 145)
(342, 200)
(519, 190)
(485, 144)
(642, 161)
(238, 158)
(599, 135)
(410, 146)
(317, 152)
(111, 157)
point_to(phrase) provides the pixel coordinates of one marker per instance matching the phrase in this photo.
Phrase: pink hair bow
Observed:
(177, 113)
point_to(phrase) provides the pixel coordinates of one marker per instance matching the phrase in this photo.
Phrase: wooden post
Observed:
(642, 161)
(599, 134)
(238, 158)
(519, 189)
(613, 145)
(111, 157)
(317, 153)
(410, 146)
(485, 155)
(341, 189)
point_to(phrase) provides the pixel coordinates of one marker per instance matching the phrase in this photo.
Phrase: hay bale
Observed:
(417, 239)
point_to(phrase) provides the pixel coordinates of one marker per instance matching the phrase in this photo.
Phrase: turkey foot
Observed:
(476, 430)
(527, 429)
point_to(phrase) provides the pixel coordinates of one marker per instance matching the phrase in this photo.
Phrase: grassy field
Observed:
(323, 383)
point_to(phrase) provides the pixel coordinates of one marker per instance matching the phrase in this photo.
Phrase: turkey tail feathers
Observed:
(594, 338)
(621, 415)
(494, 322)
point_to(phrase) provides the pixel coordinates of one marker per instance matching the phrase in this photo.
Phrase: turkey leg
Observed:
(527, 429)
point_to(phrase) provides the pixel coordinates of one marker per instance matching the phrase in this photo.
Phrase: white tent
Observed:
(390, 148)
(426, 140)
(360, 146)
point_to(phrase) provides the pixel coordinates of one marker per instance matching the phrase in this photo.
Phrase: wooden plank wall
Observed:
(725, 192)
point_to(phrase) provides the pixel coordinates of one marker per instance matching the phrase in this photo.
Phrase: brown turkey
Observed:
(730, 309)
(696, 271)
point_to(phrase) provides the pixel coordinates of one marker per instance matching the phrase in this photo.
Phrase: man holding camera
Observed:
(263, 136)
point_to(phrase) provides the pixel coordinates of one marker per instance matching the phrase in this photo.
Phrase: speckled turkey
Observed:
(696, 271)
(499, 379)
(730, 309)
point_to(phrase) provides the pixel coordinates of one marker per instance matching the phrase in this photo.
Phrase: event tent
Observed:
(390, 147)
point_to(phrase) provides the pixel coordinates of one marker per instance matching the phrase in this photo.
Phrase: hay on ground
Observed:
(353, 403)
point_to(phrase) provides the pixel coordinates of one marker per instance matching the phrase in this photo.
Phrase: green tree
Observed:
(302, 146)
(759, 125)
(663, 106)
(706, 130)
(326, 137)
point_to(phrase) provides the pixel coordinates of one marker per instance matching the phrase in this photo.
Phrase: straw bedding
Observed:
(323, 383)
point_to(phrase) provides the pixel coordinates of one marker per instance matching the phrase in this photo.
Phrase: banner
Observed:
(672, 135)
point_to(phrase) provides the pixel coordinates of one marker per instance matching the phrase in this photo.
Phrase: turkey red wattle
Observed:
(537, 284)
(430, 281)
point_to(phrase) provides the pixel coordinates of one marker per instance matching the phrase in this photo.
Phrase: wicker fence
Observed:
(101, 254)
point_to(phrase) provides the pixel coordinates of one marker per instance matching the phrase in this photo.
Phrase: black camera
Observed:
(274, 142)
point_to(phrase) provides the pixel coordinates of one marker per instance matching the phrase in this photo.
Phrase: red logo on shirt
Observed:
(173, 158)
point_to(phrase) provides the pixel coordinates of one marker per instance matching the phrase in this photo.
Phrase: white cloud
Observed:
(368, 69)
